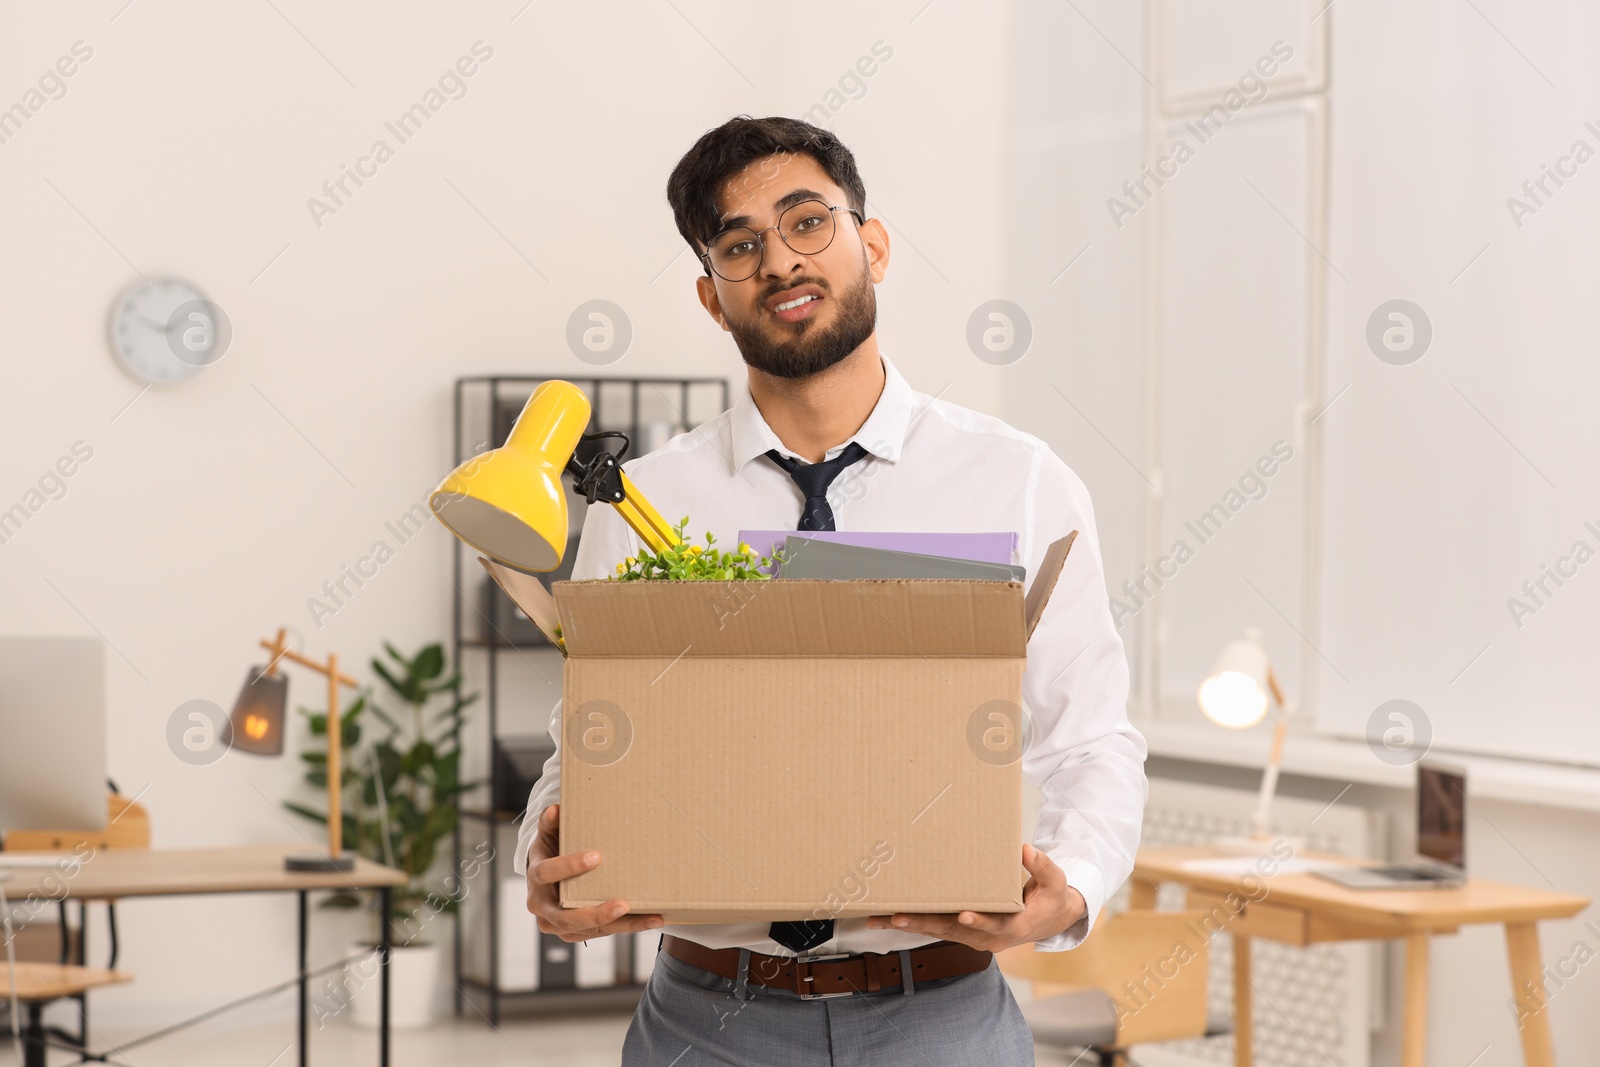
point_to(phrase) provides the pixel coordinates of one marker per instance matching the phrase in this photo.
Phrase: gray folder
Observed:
(806, 557)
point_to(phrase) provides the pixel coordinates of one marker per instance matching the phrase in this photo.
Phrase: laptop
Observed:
(1441, 859)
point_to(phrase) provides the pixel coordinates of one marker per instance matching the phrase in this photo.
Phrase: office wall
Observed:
(1457, 476)
(1075, 137)
(1165, 164)
(189, 143)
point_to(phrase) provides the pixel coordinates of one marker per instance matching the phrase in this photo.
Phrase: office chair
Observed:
(37, 984)
(127, 826)
(1140, 977)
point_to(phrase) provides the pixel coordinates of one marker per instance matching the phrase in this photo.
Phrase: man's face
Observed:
(842, 312)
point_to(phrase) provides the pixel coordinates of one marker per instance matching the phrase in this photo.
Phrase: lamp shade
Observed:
(256, 723)
(1235, 693)
(509, 503)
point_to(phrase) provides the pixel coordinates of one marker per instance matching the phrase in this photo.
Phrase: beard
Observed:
(810, 348)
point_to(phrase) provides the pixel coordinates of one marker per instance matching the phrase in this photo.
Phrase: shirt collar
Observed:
(883, 434)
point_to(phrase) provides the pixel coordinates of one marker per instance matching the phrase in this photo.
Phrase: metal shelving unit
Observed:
(649, 411)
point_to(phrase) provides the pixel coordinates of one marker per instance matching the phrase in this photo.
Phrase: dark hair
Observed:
(721, 153)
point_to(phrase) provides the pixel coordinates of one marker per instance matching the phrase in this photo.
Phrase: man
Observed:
(829, 435)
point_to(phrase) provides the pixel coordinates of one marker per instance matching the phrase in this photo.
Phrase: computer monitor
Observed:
(52, 733)
(1442, 813)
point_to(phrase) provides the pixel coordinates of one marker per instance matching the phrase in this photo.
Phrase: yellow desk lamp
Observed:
(1236, 695)
(509, 503)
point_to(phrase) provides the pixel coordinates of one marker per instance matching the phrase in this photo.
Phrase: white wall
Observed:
(189, 143)
(1454, 480)
(1075, 122)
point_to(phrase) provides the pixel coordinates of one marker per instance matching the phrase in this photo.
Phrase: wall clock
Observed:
(165, 331)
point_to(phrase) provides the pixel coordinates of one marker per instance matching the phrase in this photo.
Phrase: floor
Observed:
(579, 1040)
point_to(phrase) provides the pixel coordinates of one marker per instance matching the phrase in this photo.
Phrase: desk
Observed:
(1302, 909)
(110, 874)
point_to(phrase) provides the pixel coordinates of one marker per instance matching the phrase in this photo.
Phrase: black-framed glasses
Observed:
(807, 227)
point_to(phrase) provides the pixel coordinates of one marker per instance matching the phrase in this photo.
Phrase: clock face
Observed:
(166, 331)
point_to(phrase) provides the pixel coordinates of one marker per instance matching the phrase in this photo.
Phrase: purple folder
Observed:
(986, 547)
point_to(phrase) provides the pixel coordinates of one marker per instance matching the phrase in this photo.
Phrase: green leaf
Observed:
(384, 716)
(308, 813)
(350, 729)
(429, 663)
(402, 689)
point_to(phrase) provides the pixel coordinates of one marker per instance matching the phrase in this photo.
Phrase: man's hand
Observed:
(546, 869)
(1049, 906)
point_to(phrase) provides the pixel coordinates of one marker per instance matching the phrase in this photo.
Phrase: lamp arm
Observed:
(1259, 821)
(645, 520)
(603, 479)
(278, 651)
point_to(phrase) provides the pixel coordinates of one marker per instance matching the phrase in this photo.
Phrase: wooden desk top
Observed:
(110, 873)
(1478, 901)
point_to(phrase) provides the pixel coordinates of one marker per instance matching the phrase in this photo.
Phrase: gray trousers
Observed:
(690, 1017)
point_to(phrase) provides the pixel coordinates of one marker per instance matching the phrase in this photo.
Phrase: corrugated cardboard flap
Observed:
(529, 594)
(792, 617)
(1045, 581)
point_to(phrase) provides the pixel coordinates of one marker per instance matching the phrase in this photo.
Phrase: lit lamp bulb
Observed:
(1233, 700)
(1237, 694)
(256, 723)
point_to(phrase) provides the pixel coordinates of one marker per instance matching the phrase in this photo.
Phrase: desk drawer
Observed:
(1254, 919)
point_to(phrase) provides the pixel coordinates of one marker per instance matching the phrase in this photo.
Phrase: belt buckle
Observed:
(808, 960)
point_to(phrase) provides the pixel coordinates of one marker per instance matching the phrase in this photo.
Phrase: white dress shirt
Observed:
(931, 466)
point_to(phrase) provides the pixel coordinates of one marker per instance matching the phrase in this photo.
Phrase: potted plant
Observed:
(403, 790)
(683, 561)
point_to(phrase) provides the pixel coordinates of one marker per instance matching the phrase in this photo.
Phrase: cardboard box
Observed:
(792, 749)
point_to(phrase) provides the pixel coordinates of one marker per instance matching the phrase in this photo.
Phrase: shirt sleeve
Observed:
(605, 541)
(1084, 755)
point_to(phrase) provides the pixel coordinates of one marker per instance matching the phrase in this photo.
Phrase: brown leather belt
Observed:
(834, 975)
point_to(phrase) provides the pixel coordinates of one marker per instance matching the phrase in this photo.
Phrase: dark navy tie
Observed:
(813, 480)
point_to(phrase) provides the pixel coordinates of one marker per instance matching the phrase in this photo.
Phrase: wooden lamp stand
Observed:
(336, 859)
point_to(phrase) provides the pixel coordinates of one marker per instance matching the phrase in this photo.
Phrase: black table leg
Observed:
(304, 991)
(83, 961)
(33, 1038)
(386, 949)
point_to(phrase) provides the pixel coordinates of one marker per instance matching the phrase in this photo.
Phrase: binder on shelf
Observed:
(596, 963)
(646, 944)
(529, 960)
(517, 932)
(519, 764)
